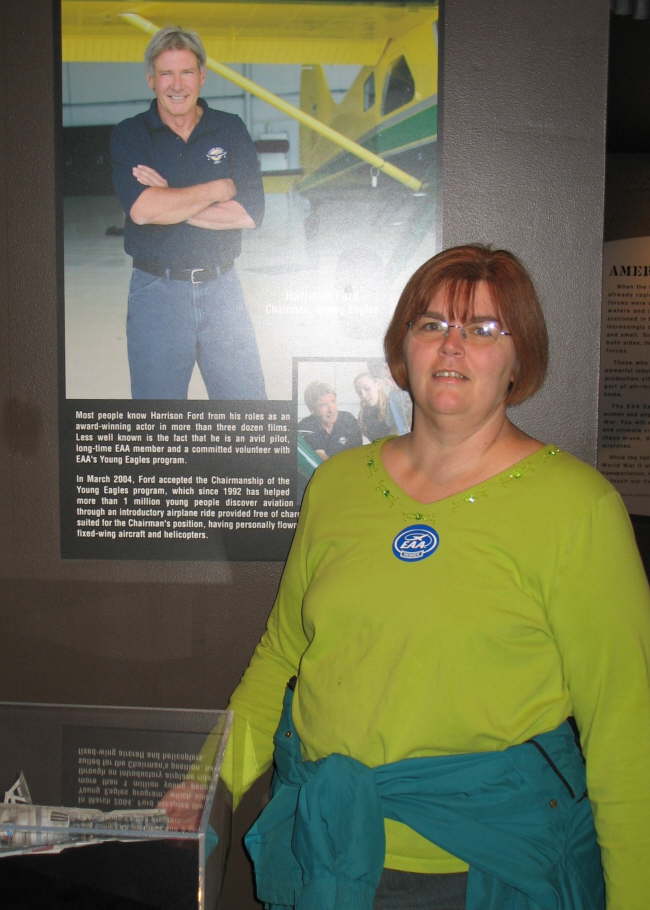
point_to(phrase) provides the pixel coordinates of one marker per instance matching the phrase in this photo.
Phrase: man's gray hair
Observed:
(316, 390)
(173, 38)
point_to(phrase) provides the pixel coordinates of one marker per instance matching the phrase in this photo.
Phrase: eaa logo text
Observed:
(415, 543)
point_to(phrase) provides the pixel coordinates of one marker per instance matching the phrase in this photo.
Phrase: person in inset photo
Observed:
(327, 430)
(400, 406)
(376, 417)
(189, 181)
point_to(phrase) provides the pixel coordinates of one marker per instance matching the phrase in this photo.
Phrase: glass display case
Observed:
(112, 807)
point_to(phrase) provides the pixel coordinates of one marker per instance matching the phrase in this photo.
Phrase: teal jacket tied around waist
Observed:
(520, 818)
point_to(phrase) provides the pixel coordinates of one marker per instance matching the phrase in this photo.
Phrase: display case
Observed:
(112, 807)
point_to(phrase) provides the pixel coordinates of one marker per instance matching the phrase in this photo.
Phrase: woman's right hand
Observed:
(184, 805)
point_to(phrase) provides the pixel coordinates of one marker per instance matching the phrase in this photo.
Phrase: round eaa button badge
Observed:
(415, 543)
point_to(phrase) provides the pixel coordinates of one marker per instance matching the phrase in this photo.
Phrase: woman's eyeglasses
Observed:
(476, 331)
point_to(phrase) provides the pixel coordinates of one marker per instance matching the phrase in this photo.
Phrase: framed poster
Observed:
(340, 104)
(624, 433)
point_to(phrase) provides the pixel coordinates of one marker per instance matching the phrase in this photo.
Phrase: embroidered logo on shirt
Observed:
(415, 543)
(216, 154)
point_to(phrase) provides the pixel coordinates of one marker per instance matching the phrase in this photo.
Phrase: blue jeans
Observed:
(415, 891)
(172, 325)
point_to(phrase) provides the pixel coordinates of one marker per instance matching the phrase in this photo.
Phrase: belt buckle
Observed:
(192, 273)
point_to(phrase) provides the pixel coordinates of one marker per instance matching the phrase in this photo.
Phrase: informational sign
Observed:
(624, 440)
(199, 480)
(133, 772)
(341, 103)
(99, 757)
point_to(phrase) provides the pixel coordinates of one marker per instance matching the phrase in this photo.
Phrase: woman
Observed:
(450, 598)
(375, 418)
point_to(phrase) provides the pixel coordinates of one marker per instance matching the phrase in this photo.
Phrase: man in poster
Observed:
(188, 179)
(326, 429)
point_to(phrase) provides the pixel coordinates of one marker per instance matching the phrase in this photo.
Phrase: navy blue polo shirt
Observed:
(345, 433)
(219, 146)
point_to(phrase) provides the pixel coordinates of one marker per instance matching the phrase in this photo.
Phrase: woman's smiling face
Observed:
(451, 376)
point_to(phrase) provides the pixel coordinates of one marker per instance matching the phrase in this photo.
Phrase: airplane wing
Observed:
(244, 32)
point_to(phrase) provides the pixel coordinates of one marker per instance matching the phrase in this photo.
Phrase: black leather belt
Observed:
(196, 276)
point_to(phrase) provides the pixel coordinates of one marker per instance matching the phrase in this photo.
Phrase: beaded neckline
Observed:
(394, 497)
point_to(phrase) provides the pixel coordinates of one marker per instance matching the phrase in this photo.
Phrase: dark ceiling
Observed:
(638, 9)
(628, 106)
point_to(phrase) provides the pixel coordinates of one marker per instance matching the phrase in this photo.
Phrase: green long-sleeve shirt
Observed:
(534, 606)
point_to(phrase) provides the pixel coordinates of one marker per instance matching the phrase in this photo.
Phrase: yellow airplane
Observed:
(390, 110)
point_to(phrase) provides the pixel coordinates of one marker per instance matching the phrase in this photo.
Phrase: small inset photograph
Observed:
(343, 403)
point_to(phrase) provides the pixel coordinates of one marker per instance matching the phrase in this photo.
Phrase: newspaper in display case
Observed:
(137, 788)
